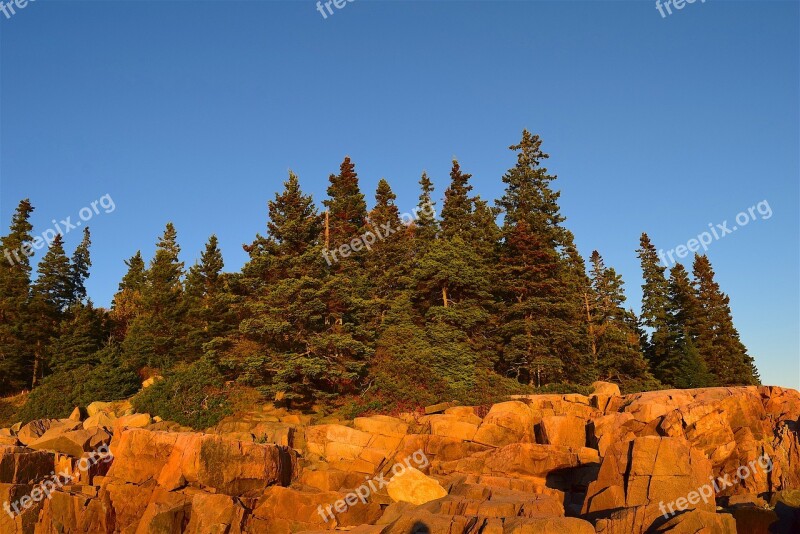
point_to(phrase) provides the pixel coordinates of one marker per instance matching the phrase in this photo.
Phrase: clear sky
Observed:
(193, 112)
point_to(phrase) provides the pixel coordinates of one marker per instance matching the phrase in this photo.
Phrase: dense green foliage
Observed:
(362, 308)
(192, 396)
(59, 393)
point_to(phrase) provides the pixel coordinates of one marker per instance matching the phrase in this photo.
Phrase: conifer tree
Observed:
(388, 263)
(128, 300)
(542, 321)
(290, 348)
(426, 226)
(156, 336)
(55, 277)
(346, 289)
(615, 339)
(79, 339)
(458, 205)
(655, 308)
(81, 261)
(209, 302)
(685, 367)
(16, 356)
(347, 210)
(717, 340)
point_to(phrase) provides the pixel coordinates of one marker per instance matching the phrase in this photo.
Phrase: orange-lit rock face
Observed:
(606, 463)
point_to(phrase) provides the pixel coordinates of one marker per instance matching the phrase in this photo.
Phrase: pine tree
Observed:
(684, 367)
(52, 293)
(81, 261)
(426, 226)
(543, 327)
(55, 277)
(210, 305)
(613, 334)
(347, 210)
(156, 336)
(458, 205)
(388, 263)
(128, 300)
(290, 347)
(655, 308)
(16, 356)
(79, 339)
(717, 340)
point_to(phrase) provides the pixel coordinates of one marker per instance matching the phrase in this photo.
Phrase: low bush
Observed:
(61, 392)
(194, 396)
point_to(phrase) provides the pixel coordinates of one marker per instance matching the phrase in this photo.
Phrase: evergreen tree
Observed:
(347, 210)
(79, 339)
(16, 356)
(655, 308)
(128, 301)
(426, 226)
(717, 340)
(55, 277)
(458, 205)
(290, 347)
(388, 262)
(683, 367)
(613, 334)
(156, 336)
(543, 327)
(81, 261)
(210, 304)
(52, 293)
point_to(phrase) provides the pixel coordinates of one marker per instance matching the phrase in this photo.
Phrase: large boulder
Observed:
(652, 477)
(411, 485)
(175, 460)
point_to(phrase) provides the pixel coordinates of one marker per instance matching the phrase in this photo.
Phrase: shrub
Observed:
(192, 395)
(61, 392)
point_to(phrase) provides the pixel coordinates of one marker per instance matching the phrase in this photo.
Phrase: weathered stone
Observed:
(411, 485)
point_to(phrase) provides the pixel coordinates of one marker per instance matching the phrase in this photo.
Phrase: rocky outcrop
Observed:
(707, 460)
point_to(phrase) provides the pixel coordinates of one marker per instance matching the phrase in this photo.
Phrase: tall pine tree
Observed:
(717, 340)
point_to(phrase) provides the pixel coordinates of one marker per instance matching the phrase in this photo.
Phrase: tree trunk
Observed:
(444, 296)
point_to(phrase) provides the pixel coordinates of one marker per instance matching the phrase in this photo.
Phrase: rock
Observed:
(174, 460)
(382, 425)
(607, 389)
(411, 485)
(72, 442)
(452, 426)
(648, 475)
(563, 430)
(99, 420)
(289, 510)
(19, 465)
(150, 381)
(507, 423)
(438, 408)
(215, 514)
(137, 420)
(700, 521)
(98, 406)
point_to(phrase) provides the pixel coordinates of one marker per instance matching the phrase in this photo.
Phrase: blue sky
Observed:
(193, 112)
